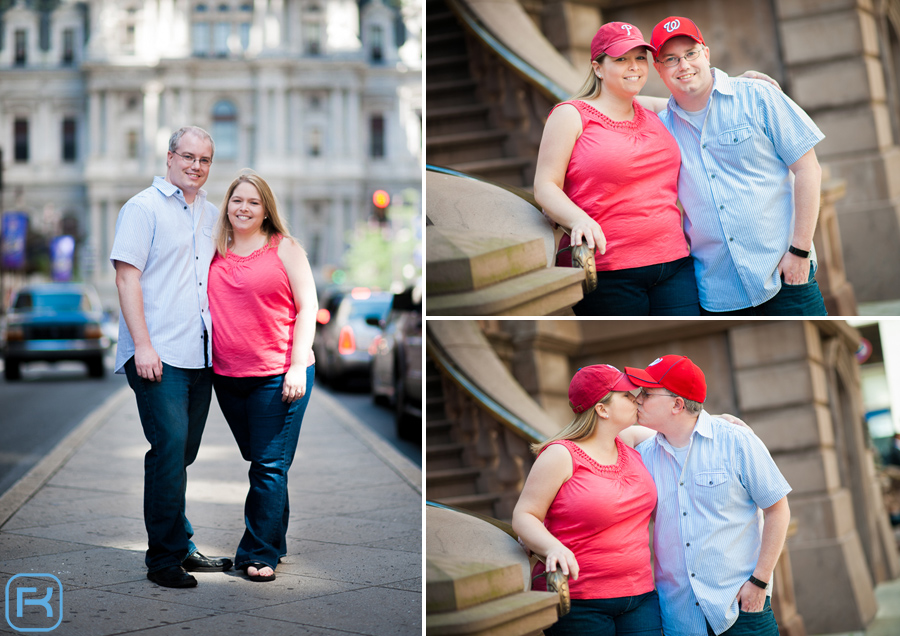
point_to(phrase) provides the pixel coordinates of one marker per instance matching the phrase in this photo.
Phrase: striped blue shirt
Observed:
(708, 532)
(736, 188)
(171, 242)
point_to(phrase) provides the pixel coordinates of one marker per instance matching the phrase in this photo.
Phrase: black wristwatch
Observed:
(798, 252)
(758, 583)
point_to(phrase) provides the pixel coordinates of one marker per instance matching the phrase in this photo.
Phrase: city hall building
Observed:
(320, 97)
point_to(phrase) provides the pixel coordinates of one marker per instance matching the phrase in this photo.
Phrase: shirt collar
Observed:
(168, 189)
(702, 427)
(721, 83)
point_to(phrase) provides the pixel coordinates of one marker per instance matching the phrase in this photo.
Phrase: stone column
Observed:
(336, 124)
(782, 387)
(831, 53)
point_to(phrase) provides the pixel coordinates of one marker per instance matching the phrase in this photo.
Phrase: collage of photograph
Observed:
(450, 317)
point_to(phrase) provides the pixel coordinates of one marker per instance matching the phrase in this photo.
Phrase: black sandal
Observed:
(258, 578)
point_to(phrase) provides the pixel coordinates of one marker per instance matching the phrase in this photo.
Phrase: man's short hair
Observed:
(178, 134)
(693, 407)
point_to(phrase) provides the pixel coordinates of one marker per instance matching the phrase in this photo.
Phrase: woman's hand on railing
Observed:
(563, 558)
(588, 230)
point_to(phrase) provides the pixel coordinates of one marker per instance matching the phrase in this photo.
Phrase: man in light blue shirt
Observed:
(162, 251)
(749, 182)
(713, 555)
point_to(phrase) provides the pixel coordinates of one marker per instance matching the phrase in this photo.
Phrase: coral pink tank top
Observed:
(602, 514)
(253, 312)
(624, 174)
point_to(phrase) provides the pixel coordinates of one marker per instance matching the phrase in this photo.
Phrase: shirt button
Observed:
(712, 176)
(721, 207)
(697, 604)
(681, 484)
(730, 238)
(688, 544)
(693, 575)
(185, 207)
(684, 514)
(703, 146)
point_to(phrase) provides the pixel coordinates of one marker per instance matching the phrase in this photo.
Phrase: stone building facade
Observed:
(321, 97)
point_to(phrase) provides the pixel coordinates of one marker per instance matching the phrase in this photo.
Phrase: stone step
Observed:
(471, 138)
(522, 613)
(464, 260)
(481, 503)
(451, 482)
(506, 170)
(456, 112)
(464, 86)
(544, 292)
(455, 584)
(443, 456)
(437, 63)
(439, 432)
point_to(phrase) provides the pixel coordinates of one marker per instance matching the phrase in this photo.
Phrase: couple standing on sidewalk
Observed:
(182, 267)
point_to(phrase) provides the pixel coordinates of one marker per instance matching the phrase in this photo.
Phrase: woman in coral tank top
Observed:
(262, 298)
(608, 170)
(586, 507)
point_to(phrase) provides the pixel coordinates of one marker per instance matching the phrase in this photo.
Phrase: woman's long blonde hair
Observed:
(581, 427)
(592, 84)
(272, 224)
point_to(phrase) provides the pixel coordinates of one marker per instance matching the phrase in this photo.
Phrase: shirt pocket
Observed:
(711, 487)
(735, 136)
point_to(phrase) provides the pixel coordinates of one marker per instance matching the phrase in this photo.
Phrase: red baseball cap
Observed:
(591, 384)
(671, 27)
(675, 373)
(617, 38)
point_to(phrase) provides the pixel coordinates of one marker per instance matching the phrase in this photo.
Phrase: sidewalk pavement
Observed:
(354, 563)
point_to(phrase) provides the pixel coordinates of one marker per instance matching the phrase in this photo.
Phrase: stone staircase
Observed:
(462, 132)
(448, 478)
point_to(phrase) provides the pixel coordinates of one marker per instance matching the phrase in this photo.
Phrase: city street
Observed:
(52, 399)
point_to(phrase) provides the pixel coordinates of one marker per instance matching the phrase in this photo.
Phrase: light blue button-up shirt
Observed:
(708, 524)
(736, 188)
(171, 242)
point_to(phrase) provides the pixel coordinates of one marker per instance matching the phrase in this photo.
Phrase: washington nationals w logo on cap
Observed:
(671, 25)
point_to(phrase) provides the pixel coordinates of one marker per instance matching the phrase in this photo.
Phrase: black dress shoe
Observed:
(199, 563)
(172, 576)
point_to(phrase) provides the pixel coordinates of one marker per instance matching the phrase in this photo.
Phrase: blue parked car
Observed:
(52, 322)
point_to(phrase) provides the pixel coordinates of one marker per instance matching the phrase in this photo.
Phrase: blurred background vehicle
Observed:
(344, 333)
(397, 361)
(52, 322)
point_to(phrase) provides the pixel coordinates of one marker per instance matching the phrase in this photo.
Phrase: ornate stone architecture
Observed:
(318, 96)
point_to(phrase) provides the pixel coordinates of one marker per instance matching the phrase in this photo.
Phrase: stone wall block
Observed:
(800, 8)
(791, 429)
(822, 516)
(832, 584)
(861, 80)
(876, 177)
(785, 384)
(817, 38)
(875, 230)
(851, 130)
(760, 344)
(810, 472)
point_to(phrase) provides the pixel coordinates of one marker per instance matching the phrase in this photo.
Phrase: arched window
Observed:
(225, 130)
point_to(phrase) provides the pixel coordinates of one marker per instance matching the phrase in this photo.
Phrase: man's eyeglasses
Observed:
(645, 395)
(206, 162)
(671, 60)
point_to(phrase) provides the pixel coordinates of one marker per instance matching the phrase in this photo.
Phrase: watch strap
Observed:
(758, 583)
(798, 252)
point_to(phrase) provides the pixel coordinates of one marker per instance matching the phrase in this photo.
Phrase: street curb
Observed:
(40, 474)
(406, 469)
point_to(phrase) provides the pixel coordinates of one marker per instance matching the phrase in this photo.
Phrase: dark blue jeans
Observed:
(266, 430)
(751, 624)
(667, 289)
(631, 615)
(791, 300)
(173, 413)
